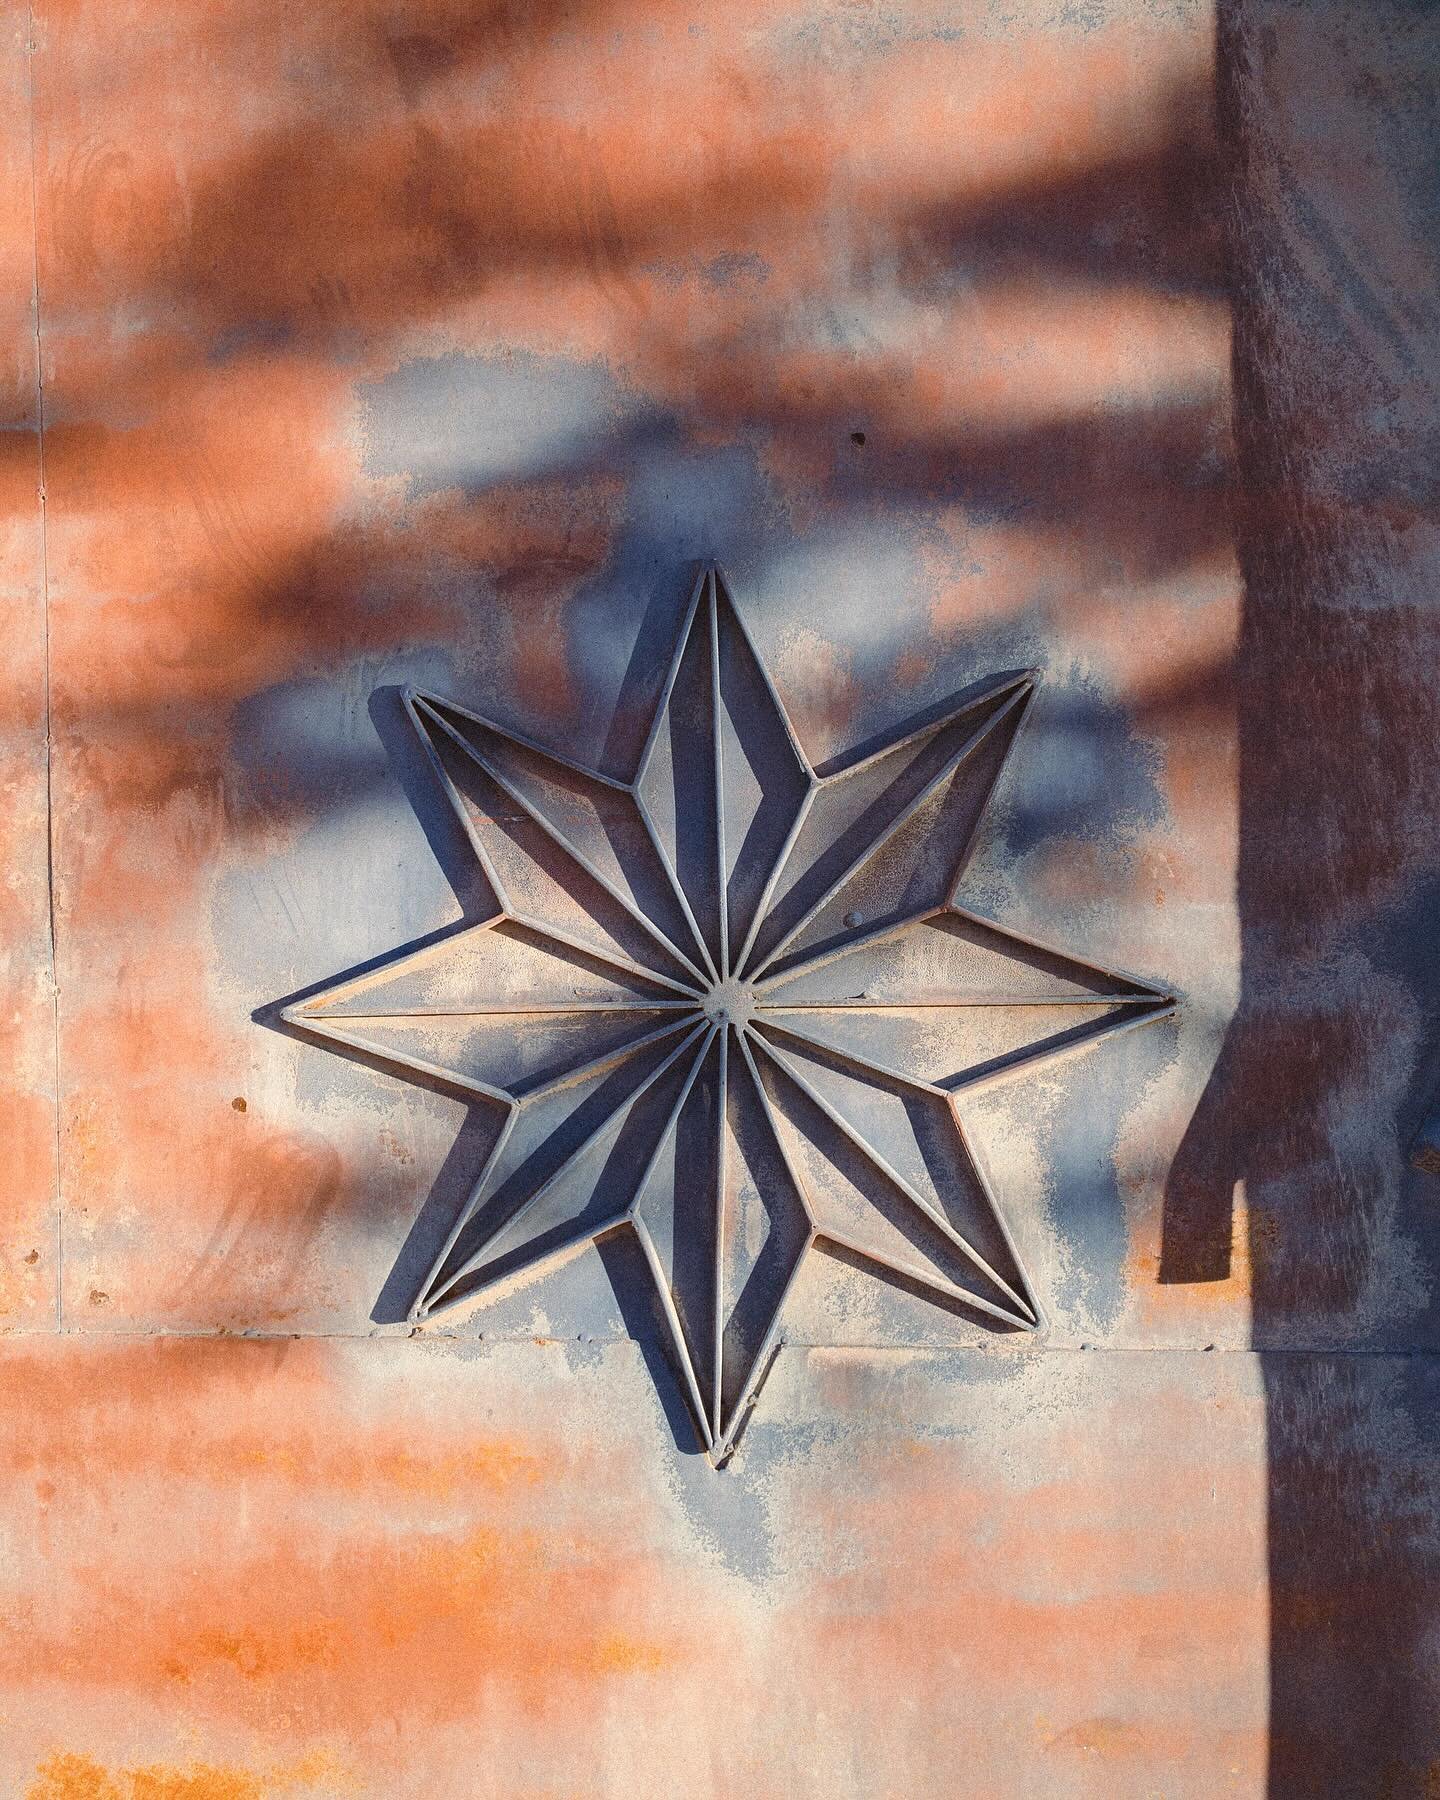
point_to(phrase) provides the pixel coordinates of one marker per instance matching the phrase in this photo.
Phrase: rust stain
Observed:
(71, 1776)
(366, 1572)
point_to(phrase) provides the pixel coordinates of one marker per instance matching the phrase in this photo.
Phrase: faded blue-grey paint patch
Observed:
(735, 270)
(1078, 1144)
(473, 422)
(355, 875)
(249, 337)
(1082, 770)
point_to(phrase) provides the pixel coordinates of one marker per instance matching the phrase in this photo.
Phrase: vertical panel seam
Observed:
(31, 49)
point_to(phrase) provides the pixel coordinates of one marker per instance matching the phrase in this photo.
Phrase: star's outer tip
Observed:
(416, 698)
(295, 1013)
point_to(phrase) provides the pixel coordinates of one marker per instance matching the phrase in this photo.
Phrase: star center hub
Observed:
(729, 1003)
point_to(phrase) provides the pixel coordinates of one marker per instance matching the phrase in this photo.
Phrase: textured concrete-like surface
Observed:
(409, 342)
(469, 1571)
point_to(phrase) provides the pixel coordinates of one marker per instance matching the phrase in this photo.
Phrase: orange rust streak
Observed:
(364, 1571)
(70, 1776)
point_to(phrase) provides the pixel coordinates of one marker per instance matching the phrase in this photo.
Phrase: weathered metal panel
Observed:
(409, 344)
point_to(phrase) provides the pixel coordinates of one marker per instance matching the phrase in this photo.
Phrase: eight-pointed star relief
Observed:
(727, 1007)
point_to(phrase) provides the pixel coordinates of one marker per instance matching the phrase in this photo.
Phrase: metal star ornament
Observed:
(727, 1007)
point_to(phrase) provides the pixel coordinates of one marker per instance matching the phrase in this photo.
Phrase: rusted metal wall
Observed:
(398, 341)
